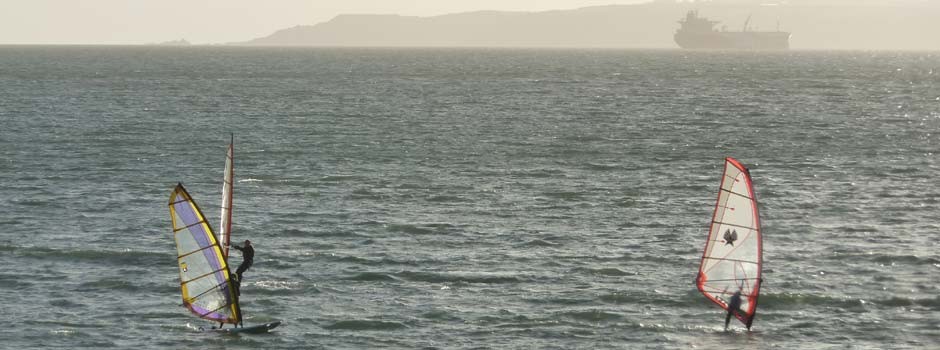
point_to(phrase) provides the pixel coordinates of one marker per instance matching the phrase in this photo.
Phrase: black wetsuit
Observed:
(733, 305)
(248, 258)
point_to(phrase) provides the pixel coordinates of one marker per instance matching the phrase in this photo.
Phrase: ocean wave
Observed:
(378, 261)
(605, 271)
(433, 277)
(929, 303)
(566, 195)
(158, 315)
(308, 290)
(35, 202)
(560, 301)
(115, 257)
(341, 178)
(539, 243)
(786, 299)
(646, 258)
(277, 264)
(880, 258)
(648, 223)
(592, 315)
(799, 301)
(371, 276)
(532, 173)
(281, 217)
(366, 325)
(110, 284)
(91, 324)
(586, 138)
(905, 259)
(690, 298)
(9, 222)
(625, 202)
(440, 315)
(603, 167)
(66, 303)
(292, 232)
(410, 229)
(859, 229)
(334, 233)
(618, 298)
(16, 281)
(275, 285)
(447, 199)
(901, 170)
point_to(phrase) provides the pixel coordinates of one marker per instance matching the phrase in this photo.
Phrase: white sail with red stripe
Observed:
(732, 258)
(225, 228)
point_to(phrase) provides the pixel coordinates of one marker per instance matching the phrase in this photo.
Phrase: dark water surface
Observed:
(426, 198)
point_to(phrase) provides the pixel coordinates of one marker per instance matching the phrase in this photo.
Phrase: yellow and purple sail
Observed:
(732, 258)
(205, 279)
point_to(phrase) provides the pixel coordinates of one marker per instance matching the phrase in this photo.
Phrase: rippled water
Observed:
(469, 198)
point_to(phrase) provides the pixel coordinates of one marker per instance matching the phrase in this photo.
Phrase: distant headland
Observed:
(845, 25)
(180, 42)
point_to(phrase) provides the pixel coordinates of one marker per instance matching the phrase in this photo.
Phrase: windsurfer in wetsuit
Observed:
(248, 257)
(733, 305)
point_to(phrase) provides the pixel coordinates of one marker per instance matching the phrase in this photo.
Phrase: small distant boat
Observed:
(206, 282)
(733, 257)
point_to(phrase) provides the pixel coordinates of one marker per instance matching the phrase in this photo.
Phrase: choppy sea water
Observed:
(469, 198)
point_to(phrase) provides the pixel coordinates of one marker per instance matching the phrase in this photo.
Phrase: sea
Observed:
(419, 198)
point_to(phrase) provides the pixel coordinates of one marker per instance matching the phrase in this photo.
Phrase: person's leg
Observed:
(241, 269)
(237, 282)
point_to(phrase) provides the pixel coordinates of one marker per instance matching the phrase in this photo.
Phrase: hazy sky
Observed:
(214, 21)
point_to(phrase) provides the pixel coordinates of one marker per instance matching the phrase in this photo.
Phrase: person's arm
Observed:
(237, 247)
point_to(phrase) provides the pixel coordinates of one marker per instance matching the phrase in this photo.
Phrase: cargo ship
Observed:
(699, 33)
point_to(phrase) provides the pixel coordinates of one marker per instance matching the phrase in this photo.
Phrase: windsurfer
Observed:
(248, 257)
(733, 305)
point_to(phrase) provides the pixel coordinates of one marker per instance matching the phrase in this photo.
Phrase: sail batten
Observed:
(198, 277)
(205, 279)
(730, 224)
(732, 258)
(188, 226)
(737, 194)
(196, 297)
(194, 252)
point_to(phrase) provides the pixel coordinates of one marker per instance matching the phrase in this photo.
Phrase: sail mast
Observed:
(225, 229)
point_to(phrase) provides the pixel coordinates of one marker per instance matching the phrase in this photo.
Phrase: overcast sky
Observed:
(214, 21)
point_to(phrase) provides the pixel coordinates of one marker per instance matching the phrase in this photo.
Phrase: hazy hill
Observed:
(180, 42)
(911, 25)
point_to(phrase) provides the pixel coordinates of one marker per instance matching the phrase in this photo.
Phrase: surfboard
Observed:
(733, 256)
(261, 328)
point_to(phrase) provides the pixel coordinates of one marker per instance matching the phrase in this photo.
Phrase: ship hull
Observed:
(734, 40)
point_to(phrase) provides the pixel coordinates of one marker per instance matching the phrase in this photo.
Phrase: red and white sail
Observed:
(225, 228)
(733, 253)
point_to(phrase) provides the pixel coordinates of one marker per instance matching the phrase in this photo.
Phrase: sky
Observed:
(119, 22)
